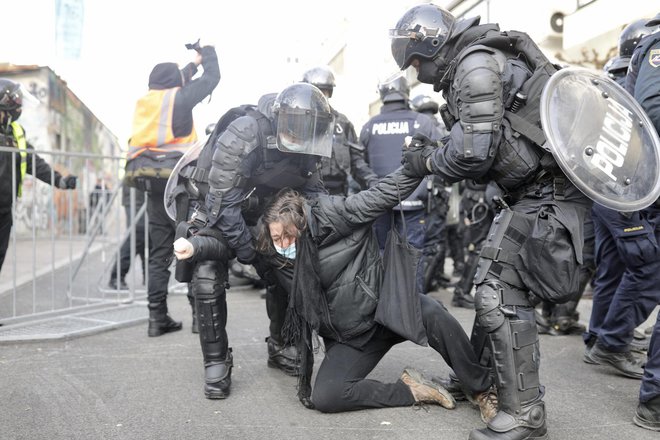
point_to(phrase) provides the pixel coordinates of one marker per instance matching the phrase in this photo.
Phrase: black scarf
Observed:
(307, 310)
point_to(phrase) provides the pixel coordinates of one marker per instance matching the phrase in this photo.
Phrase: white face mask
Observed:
(287, 252)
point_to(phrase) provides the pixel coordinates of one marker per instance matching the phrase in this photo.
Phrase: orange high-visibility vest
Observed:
(152, 125)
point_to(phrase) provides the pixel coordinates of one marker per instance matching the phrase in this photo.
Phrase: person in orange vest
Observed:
(162, 124)
(12, 135)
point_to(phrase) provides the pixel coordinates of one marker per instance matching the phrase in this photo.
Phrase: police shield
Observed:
(602, 139)
(172, 187)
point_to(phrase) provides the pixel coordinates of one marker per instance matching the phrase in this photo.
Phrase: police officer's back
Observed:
(383, 137)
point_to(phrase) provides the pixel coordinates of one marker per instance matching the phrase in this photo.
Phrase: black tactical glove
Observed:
(246, 255)
(68, 182)
(416, 154)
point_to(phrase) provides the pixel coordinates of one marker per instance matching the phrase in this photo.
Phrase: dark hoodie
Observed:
(167, 76)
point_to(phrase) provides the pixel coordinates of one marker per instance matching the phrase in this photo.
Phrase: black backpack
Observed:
(199, 169)
(526, 119)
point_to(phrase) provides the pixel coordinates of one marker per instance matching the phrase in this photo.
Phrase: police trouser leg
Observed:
(208, 286)
(280, 354)
(505, 314)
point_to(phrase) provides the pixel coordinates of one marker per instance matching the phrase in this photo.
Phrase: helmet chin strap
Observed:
(444, 79)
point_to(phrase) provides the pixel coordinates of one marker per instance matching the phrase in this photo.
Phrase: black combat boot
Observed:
(159, 321)
(648, 414)
(217, 377)
(565, 319)
(462, 299)
(529, 424)
(284, 357)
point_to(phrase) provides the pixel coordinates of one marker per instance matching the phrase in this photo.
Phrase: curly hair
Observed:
(288, 209)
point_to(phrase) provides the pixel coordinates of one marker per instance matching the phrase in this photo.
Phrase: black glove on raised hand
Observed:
(416, 154)
(68, 182)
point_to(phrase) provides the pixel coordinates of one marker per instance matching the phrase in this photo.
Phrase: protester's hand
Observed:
(198, 58)
(183, 249)
(68, 182)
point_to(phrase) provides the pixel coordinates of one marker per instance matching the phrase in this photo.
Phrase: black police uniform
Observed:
(625, 284)
(482, 76)
(245, 172)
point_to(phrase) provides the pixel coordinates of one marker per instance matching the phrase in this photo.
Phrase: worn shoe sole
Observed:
(646, 424)
(159, 331)
(415, 375)
(453, 387)
(215, 393)
(488, 434)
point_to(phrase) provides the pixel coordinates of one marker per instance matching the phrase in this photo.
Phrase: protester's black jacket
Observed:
(351, 265)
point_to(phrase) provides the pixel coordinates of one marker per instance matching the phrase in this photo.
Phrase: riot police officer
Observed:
(482, 76)
(276, 145)
(642, 82)
(383, 136)
(347, 160)
(12, 135)
(625, 284)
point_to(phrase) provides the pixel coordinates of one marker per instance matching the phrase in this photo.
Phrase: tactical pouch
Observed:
(150, 170)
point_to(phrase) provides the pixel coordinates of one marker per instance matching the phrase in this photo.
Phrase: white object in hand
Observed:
(183, 249)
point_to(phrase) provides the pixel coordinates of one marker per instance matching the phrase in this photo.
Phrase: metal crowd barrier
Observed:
(64, 243)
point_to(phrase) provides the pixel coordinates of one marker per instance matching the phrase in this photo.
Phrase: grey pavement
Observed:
(121, 384)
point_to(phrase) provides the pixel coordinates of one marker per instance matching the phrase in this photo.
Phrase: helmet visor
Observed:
(410, 39)
(305, 131)
(401, 39)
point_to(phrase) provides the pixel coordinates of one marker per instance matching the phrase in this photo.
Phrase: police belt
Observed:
(543, 183)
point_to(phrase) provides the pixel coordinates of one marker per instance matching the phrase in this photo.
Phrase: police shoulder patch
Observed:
(654, 57)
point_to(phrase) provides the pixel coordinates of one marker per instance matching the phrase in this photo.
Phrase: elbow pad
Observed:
(479, 94)
(240, 138)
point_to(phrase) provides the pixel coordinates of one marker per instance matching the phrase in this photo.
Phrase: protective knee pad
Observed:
(513, 344)
(208, 286)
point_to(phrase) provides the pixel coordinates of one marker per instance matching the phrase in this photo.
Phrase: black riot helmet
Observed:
(11, 100)
(631, 34)
(420, 33)
(424, 104)
(395, 88)
(322, 77)
(616, 66)
(305, 123)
